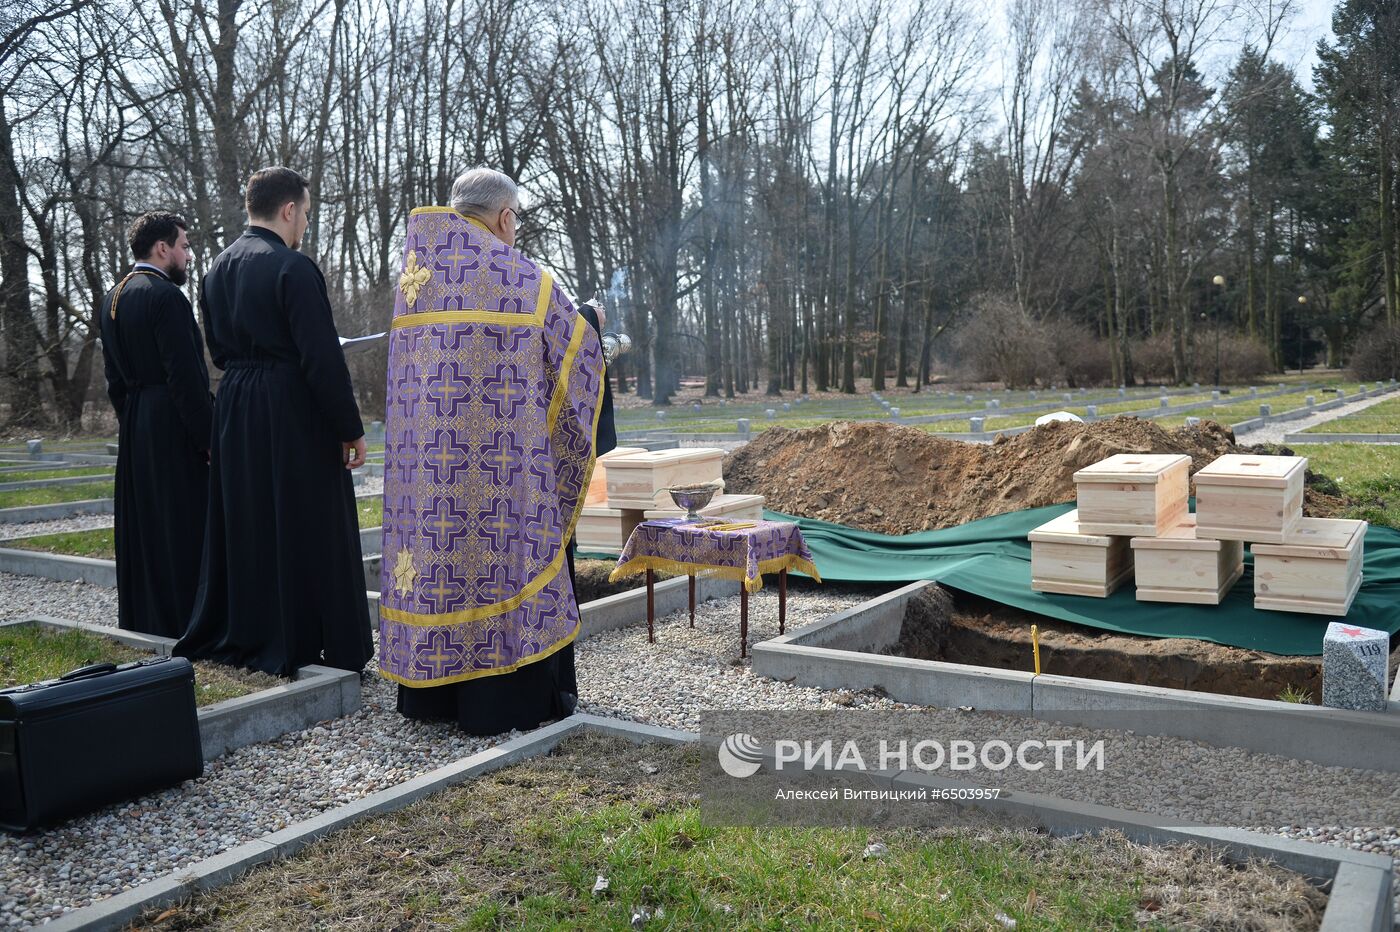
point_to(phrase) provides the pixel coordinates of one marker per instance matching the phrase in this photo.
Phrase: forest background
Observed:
(770, 198)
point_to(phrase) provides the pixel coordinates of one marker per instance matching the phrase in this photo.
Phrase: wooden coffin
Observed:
(1133, 494)
(598, 485)
(1316, 569)
(640, 480)
(1258, 499)
(606, 529)
(733, 507)
(1068, 561)
(1178, 566)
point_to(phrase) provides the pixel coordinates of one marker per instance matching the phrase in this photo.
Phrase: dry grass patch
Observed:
(521, 849)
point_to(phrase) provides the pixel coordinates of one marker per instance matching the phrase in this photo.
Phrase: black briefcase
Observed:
(97, 735)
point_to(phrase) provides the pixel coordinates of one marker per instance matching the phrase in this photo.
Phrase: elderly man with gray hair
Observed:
(495, 394)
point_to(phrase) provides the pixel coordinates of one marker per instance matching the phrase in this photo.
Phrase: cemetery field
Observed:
(52, 494)
(30, 653)
(523, 848)
(1368, 473)
(1381, 418)
(1242, 409)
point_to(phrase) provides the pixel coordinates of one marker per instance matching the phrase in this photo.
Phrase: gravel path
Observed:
(58, 526)
(1274, 433)
(262, 788)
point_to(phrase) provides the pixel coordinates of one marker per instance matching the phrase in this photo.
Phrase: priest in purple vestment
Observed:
(495, 387)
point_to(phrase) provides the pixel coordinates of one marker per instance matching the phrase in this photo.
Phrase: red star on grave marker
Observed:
(1351, 632)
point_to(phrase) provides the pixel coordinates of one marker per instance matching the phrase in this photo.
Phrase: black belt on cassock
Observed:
(134, 387)
(259, 364)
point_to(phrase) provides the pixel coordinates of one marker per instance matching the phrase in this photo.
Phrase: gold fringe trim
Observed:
(739, 574)
(494, 671)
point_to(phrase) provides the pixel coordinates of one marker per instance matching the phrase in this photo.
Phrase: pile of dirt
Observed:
(898, 480)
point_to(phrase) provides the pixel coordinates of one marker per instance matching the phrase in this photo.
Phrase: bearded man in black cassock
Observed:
(159, 385)
(282, 583)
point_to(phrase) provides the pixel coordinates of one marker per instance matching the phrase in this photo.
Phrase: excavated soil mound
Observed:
(898, 480)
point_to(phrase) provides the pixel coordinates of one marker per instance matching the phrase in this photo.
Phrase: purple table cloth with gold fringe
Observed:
(678, 546)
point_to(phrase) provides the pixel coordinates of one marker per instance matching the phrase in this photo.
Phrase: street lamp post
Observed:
(1219, 280)
(1302, 304)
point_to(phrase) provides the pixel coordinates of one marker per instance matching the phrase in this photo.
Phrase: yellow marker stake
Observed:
(1035, 646)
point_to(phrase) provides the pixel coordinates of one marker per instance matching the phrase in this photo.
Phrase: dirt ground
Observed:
(898, 480)
(959, 628)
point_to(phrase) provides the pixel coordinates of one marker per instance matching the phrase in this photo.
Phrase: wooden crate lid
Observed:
(1263, 472)
(1141, 468)
(1329, 538)
(1065, 530)
(1181, 537)
(619, 452)
(651, 458)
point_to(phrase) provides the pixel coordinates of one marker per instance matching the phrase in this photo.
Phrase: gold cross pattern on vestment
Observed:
(413, 279)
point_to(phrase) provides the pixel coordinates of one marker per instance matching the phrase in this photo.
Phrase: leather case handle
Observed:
(96, 669)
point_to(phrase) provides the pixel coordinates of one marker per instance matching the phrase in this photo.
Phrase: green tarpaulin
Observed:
(991, 558)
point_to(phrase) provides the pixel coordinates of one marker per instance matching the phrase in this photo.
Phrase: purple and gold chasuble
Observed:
(494, 390)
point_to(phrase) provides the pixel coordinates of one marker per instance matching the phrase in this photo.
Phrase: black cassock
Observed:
(282, 584)
(532, 694)
(158, 383)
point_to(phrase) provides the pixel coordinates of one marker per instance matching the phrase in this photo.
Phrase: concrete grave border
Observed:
(316, 694)
(56, 511)
(1360, 895)
(838, 652)
(1341, 438)
(51, 483)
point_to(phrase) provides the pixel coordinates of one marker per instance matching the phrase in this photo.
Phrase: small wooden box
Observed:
(1258, 499)
(1178, 566)
(598, 485)
(1068, 561)
(1133, 494)
(1316, 569)
(639, 480)
(606, 529)
(733, 507)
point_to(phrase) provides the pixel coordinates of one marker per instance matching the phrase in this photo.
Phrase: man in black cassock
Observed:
(158, 383)
(282, 583)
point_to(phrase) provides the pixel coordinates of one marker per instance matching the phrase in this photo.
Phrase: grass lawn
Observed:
(30, 653)
(1381, 418)
(35, 474)
(98, 544)
(371, 511)
(1368, 473)
(48, 495)
(522, 847)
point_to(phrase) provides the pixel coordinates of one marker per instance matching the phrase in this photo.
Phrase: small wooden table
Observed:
(743, 555)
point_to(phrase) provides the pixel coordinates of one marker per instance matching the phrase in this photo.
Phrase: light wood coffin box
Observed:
(607, 529)
(639, 480)
(1065, 560)
(733, 507)
(1316, 569)
(1258, 499)
(598, 485)
(1178, 566)
(1133, 494)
